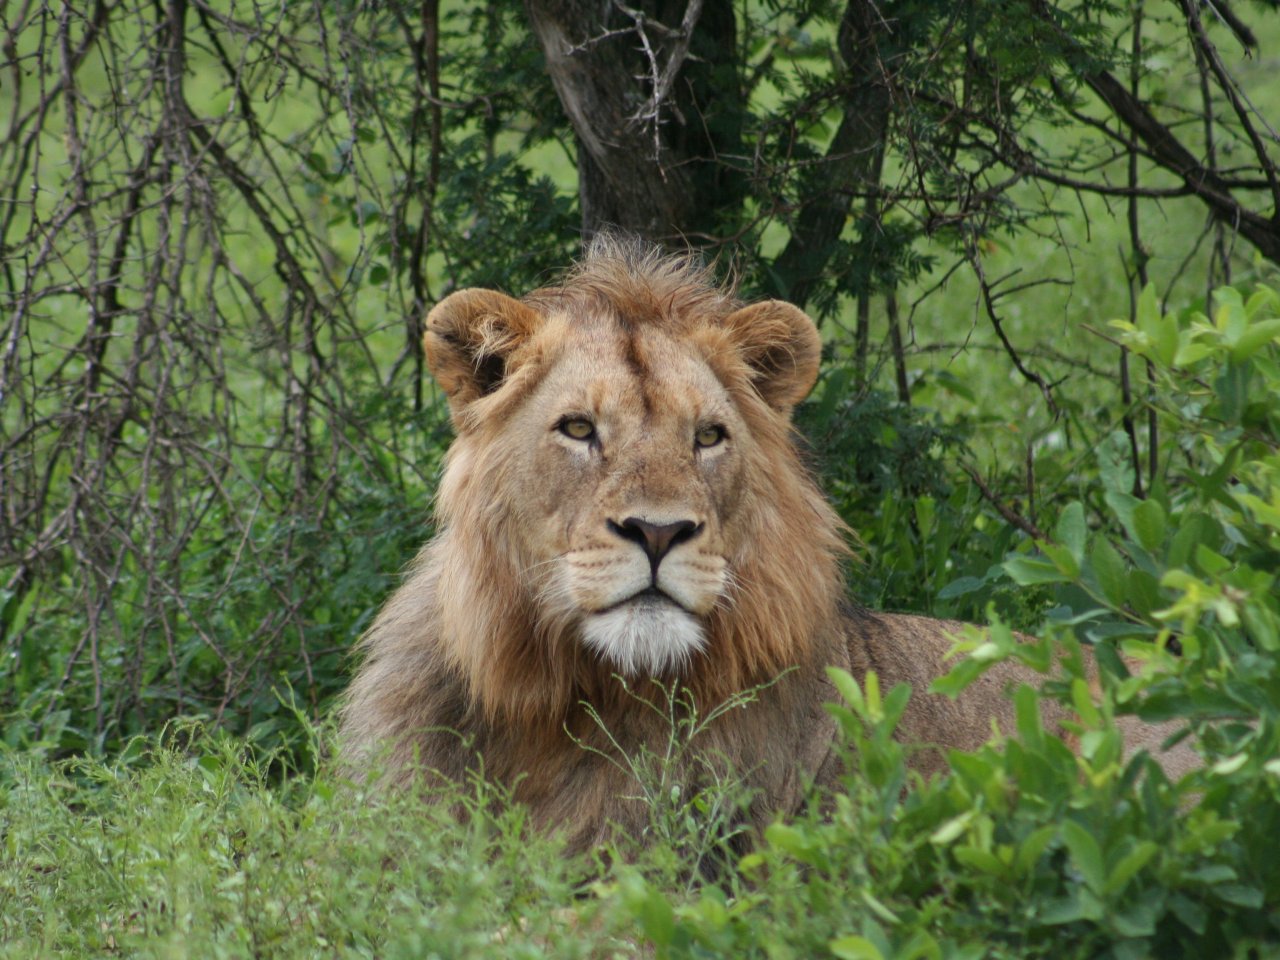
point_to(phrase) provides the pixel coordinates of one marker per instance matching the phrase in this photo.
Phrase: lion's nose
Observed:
(656, 539)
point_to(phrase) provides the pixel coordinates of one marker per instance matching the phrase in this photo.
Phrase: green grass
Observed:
(214, 850)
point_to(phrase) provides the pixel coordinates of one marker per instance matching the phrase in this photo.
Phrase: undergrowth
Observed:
(197, 843)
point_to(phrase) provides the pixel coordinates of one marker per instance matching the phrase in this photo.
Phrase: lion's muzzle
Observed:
(656, 539)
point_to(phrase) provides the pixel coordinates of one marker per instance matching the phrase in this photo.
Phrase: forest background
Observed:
(1038, 239)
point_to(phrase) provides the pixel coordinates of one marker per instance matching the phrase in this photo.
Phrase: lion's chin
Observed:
(645, 637)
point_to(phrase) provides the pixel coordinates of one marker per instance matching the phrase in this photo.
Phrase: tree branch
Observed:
(1168, 151)
(854, 157)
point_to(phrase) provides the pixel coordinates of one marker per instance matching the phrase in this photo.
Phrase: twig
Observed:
(989, 302)
(1010, 516)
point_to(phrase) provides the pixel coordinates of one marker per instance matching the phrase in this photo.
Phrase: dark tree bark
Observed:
(853, 161)
(653, 159)
(654, 100)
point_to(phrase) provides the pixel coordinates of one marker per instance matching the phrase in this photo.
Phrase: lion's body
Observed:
(624, 501)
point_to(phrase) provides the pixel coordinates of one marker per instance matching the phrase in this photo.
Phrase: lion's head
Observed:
(623, 496)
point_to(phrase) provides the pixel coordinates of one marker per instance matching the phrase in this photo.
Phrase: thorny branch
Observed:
(990, 297)
(168, 275)
(139, 326)
(662, 76)
(1010, 515)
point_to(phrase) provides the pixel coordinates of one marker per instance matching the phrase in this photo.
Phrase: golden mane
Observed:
(640, 284)
(465, 601)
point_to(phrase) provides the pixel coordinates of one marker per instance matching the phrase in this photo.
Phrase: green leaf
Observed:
(981, 860)
(1231, 319)
(752, 861)
(1064, 560)
(1255, 338)
(1190, 353)
(1196, 529)
(1267, 514)
(952, 829)
(1079, 905)
(926, 510)
(1030, 850)
(1142, 592)
(1167, 341)
(1109, 569)
(1030, 723)
(657, 918)
(921, 946)
(878, 908)
(895, 704)
(1082, 700)
(1262, 298)
(1128, 865)
(847, 687)
(871, 690)
(1085, 854)
(1211, 562)
(1137, 920)
(1148, 524)
(1122, 505)
(961, 586)
(1232, 389)
(1213, 873)
(1027, 572)
(1147, 309)
(787, 839)
(954, 681)
(1239, 895)
(855, 948)
(1189, 912)
(1072, 530)
(1160, 332)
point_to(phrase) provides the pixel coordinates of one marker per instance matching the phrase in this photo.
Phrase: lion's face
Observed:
(630, 451)
(611, 454)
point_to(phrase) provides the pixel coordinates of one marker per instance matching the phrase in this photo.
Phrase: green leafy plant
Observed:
(1035, 847)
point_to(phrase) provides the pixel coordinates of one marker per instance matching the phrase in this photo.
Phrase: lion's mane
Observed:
(470, 668)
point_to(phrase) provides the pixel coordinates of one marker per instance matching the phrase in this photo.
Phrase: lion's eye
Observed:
(709, 436)
(577, 428)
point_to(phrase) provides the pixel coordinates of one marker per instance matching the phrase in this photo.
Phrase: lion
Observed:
(625, 503)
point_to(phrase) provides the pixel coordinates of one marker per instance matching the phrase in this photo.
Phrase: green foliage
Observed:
(218, 452)
(1192, 567)
(318, 580)
(1028, 848)
(1038, 848)
(1024, 851)
(185, 847)
(694, 801)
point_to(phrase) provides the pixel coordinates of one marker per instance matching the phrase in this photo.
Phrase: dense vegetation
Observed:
(218, 450)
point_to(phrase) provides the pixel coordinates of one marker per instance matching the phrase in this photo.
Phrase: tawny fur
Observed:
(477, 661)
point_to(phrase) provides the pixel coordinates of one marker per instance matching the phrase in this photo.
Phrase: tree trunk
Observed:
(853, 161)
(652, 107)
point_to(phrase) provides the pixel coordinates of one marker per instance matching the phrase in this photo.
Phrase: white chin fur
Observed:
(644, 639)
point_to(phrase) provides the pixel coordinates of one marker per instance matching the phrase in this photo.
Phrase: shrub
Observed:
(1031, 849)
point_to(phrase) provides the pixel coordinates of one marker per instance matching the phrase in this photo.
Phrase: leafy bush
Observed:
(209, 646)
(194, 844)
(1032, 849)
(888, 468)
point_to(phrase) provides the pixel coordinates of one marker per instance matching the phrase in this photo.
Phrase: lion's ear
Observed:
(781, 345)
(469, 337)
